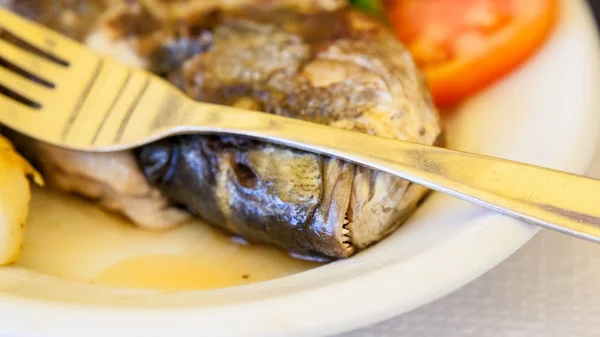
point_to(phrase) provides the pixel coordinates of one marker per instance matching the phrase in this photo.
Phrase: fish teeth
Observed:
(346, 234)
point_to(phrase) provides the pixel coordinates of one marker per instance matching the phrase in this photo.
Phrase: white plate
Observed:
(546, 114)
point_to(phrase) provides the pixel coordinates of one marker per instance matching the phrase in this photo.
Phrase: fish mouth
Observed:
(330, 227)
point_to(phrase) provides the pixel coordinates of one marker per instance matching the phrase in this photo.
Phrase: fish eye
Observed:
(245, 175)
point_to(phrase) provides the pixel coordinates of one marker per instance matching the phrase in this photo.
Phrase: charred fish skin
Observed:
(315, 60)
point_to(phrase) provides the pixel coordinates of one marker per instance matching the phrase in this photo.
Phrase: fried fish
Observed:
(320, 61)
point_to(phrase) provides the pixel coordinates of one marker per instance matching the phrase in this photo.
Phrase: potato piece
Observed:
(14, 200)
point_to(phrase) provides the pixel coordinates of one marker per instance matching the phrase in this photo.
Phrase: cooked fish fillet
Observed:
(14, 200)
(318, 61)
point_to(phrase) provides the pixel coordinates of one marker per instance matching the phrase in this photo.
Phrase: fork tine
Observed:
(31, 63)
(15, 114)
(24, 87)
(43, 39)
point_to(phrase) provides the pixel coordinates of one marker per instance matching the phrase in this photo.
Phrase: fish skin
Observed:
(323, 63)
(240, 186)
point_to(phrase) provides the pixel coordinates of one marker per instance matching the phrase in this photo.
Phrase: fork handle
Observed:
(557, 200)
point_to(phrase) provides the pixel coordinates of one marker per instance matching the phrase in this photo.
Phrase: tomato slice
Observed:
(462, 46)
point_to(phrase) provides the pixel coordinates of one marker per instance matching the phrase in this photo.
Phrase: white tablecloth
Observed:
(549, 288)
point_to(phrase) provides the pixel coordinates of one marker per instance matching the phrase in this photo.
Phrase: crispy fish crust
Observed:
(14, 200)
(315, 60)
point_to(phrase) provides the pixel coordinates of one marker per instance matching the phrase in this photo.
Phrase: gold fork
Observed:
(81, 100)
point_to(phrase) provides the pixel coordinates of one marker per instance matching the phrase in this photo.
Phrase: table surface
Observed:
(548, 288)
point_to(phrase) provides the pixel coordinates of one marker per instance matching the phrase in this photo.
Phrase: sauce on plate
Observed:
(74, 239)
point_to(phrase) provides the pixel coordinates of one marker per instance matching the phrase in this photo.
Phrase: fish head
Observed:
(262, 192)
